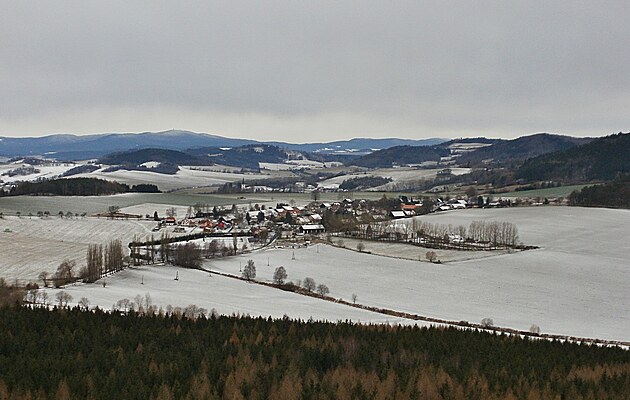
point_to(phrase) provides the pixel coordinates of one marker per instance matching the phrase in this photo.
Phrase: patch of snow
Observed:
(151, 164)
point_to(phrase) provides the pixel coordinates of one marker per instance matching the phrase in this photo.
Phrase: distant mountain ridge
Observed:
(358, 146)
(67, 147)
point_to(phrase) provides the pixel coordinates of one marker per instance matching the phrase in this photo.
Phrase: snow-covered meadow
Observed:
(32, 245)
(397, 175)
(148, 202)
(45, 171)
(576, 283)
(185, 177)
(210, 291)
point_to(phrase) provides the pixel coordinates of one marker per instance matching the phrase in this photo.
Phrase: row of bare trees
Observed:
(505, 233)
(494, 232)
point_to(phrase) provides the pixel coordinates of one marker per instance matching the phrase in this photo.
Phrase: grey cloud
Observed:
(493, 67)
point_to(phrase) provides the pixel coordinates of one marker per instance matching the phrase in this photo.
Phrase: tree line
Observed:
(615, 194)
(75, 354)
(77, 187)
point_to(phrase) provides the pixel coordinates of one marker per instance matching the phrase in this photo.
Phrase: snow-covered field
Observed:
(415, 253)
(577, 282)
(398, 175)
(96, 204)
(46, 171)
(185, 177)
(226, 295)
(29, 246)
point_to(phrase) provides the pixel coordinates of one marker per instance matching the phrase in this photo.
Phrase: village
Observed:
(232, 230)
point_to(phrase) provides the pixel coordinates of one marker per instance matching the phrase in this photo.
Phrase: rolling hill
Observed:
(400, 155)
(520, 149)
(248, 156)
(473, 151)
(603, 158)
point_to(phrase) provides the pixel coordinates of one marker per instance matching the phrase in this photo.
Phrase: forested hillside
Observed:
(614, 194)
(157, 155)
(245, 156)
(601, 159)
(508, 151)
(401, 155)
(72, 354)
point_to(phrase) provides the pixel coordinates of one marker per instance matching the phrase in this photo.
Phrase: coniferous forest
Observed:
(74, 354)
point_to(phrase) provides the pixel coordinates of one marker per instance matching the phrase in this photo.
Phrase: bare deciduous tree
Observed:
(44, 277)
(431, 256)
(360, 246)
(84, 303)
(487, 322)
(279, 275)
(309, 284)
(212, 248)
(63, 298)
(192, 311)
(44, 297)
(354, 298)
(64, 272)
(32, 295)
(114, 256)
(165, 247)
(123, 304)
(322, 289)
(94, 261)
(249, 271)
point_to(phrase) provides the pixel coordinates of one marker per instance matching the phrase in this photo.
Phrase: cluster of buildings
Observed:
(290, 220)
(257, 221)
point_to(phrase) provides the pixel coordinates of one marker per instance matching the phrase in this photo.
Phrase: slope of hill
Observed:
(603, 158)
(505, 151)
(401, 155)
(151, 155)
(248, 156)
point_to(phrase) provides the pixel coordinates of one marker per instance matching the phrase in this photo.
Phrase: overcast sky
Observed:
(313, 70)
